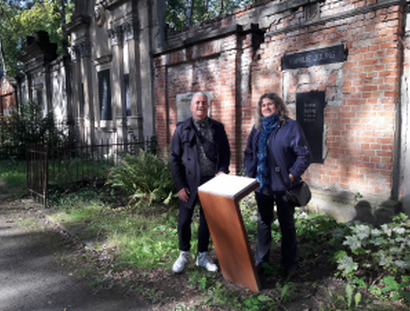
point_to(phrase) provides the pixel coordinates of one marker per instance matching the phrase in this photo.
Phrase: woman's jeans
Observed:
(286, 219)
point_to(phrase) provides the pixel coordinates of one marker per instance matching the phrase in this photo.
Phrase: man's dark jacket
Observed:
(185, 159)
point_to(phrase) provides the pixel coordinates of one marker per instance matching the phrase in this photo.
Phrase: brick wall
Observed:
(7, 97)
(238, 66)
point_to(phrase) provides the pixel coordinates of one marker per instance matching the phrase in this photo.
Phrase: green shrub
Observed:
(14, 174)
(27, 126)
(145, 178)
(374, 252)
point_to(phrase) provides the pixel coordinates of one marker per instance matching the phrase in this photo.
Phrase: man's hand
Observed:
(219, 173)
(292, 179)
(183, 194)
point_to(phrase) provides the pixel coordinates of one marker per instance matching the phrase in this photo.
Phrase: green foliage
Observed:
(257, 302)
(64, 170)
(27, 126)
(378, 251)
(395, 289)
(145, 178)
(144, 239)
(176, 10)
(347, 300)
(14, 174)
(19, 20)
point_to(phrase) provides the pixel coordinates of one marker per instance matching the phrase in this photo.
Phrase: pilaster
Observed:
(131, 35)
(115, 35)
(84, 48)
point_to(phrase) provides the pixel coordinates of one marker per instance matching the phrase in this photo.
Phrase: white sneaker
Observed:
(182, 260)
(204, 261)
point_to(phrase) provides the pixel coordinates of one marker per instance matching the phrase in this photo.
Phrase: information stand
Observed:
(220, 202)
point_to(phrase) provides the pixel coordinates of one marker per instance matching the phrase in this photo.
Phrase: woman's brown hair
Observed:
(281, 109)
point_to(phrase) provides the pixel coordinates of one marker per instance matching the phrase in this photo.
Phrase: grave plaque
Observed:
(328, 55)
(310, 115)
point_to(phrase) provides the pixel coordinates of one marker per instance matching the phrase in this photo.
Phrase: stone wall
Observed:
(45, 77)
(112, 80)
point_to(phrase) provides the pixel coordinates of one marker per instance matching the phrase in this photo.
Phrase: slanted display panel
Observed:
(227, 228)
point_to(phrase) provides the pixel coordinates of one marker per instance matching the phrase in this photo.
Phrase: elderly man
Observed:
(199, 151)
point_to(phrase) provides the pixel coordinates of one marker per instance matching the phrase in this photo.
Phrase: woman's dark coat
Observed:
(185, 160)
(290, 148)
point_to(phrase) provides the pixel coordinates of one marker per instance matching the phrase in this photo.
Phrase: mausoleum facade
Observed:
(111, 71)
(341, 66)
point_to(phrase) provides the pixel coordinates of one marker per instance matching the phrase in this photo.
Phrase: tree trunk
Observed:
(64, 37)
(190, 9)
(2, 56)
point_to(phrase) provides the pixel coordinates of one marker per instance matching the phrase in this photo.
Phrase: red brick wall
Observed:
(362, 93)
(360, 127)
(209, 66)
(7, 96)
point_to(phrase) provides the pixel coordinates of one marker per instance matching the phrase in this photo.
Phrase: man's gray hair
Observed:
(200, 93)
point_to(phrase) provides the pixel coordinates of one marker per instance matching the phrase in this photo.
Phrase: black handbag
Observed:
(300, 195)
(297, 196)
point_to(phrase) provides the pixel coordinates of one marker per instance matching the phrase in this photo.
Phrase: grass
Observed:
(140, 243)
(14, 175)
(138, 236)
(69, 170)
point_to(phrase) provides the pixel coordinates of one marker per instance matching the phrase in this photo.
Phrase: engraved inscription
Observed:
(310, 115)
(317, 57)
(309, 112)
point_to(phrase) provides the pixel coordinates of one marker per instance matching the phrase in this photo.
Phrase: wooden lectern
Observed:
(220, 202)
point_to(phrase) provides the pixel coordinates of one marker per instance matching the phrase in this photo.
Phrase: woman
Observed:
(276, 135)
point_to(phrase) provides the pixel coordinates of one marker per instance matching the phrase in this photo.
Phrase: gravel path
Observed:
(30, 276)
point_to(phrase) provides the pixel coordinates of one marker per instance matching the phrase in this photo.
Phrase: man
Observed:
(199, 151)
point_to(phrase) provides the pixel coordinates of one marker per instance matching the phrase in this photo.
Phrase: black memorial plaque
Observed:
(328, 55)
(310, 115)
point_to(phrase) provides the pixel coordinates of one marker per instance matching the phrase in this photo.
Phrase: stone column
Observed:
(86, 74)
(76, 87)
(131, 35)
(117, 82)
(146, 73)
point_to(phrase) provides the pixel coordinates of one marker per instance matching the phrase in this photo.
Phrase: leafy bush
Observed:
(26, 126)
(145, 178)
(374, 252)
(14, 174)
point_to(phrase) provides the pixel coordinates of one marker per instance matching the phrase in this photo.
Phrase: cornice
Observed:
(103, 60)
(353, 12)
(77, 22)
(112, 4)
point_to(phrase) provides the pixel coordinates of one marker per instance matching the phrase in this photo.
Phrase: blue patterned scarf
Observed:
(263, 172)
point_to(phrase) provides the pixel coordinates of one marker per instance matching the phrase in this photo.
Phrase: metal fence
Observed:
(64, 166)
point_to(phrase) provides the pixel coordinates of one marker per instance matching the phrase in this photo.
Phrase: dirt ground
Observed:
(31, 277)
(40, 264)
